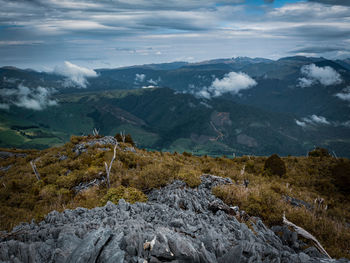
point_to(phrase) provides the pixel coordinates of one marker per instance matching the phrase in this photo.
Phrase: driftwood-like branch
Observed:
(95, 132)
(305, 234)
(108, 168)
(122, 135)
(35, 170)
(243, 170)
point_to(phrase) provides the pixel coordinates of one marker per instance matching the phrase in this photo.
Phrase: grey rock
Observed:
(175, 225)
(5, 155)
(62, 157)
(5, 168)
(82, 147)
(130, 149)
(233, 256)
(86, 185)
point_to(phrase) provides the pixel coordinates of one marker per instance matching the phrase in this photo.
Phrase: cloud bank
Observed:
(24, 97)
(75, 75)
(232, 82)
(313, 74)
(154, 31)
(312, 120)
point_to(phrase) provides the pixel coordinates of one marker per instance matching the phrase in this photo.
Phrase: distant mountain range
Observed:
(224, 106)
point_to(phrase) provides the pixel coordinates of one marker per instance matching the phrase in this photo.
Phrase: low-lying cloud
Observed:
(312, 120)
(232, 82)
(75, 75)
(345, 94)
(24, 97)
(313, 74)
(140, 78)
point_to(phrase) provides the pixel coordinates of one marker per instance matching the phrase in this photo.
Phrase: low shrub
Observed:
(275, 165)
(129, 194)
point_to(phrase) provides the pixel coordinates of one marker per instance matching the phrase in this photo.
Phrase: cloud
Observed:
(24, 97)
(175, 28)
(75, 75)
(312, 120)
(332, 2)
(313, 74)
(140, 77)
(344, 95)
(232, 82)
(300, 123)
(155, 82)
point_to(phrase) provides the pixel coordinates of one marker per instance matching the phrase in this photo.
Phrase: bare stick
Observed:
(122, 135)
(108, 169)
(95, 132)
(305, 234)
(35, 170)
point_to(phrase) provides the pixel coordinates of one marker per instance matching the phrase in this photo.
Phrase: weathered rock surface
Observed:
(175, 225)
(82, 147)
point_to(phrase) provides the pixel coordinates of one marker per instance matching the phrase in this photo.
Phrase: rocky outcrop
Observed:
(177, 224)
(82, 147)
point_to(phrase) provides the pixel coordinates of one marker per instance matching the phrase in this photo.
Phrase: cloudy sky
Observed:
(110, 33)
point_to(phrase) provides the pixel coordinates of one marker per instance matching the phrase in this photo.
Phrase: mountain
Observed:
(275, 115)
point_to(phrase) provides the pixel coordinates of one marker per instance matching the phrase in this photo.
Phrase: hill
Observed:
(161, 119)
(73, 175)
(276, 115)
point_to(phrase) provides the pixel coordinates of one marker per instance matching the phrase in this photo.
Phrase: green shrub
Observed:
(319, 152)
(189, 176)
(275, 165)
(341, 176)
(130, 195)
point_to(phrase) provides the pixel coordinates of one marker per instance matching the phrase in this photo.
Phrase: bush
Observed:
(275, 165)
(189, 176)
(319, 152)
(341, 176)
(128, 139)
(130, 195)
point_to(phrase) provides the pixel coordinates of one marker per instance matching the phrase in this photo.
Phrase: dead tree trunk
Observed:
(35, 170)
(108, 168)
(305, 234)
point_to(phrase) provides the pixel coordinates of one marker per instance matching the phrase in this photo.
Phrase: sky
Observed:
(43, 34)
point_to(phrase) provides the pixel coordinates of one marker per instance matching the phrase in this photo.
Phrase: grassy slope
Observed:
(22, 197)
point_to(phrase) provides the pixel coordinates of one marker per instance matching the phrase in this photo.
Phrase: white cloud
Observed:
(232, 82)
(346, 124)
(345, 94)
(140, 77)
(76, 75)
(313, 74)
(300, 123)
(34, 99)
(304, 82)
(154, 82)
(312, 120)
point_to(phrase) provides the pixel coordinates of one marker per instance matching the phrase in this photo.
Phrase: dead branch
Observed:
(122, 135)
(95, 132)
(305, 234)
(243, 170)
(35, 170)
(108, 168)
